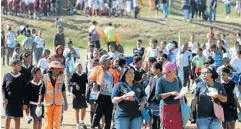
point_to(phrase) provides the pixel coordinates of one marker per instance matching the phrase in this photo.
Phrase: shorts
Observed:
(32, 111)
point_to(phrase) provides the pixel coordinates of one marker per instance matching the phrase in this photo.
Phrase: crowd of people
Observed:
(192, 9)
(146, 89)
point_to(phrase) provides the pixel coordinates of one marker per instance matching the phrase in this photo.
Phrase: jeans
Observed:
(209, 123)
(227, 8)
(104, 106)
(38, 54)
(186, 13)
(165, 10)
(128, 123)
(68, 76)
(136, 11)
(9, 54)
(186, 71)
(212, 16)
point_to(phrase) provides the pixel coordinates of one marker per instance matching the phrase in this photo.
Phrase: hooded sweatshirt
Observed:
(60, 58)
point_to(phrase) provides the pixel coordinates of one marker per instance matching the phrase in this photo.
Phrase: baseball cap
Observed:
(169, 46)
(105, 58)
(226, 56)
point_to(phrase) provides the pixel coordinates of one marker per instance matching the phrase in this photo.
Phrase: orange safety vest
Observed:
(53, 95)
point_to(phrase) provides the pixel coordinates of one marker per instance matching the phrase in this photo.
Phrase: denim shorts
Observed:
(209, 123)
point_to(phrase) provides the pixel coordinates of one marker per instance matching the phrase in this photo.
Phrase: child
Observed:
(211, 34)
(33, 96)
(3, 46)
(16, 54)
(113, 53)
(58, 23)
(128, 8)
(238, 8)
(14, 95)
(43, 63)
(230, 107)
(78, 81)
(198, 62)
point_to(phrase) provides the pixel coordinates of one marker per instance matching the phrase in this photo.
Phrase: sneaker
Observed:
(28, 119)
(82, 125)
(77, 126)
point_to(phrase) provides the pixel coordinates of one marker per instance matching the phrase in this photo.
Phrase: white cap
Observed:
(169, 46)
(226, 55)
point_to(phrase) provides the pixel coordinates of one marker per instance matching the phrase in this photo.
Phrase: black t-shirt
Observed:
(128, 108)
(229, 88)
(138, 74)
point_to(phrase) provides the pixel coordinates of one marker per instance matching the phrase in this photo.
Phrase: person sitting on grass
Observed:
(113, 52)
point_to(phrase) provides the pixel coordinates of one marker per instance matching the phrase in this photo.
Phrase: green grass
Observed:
(129, 30)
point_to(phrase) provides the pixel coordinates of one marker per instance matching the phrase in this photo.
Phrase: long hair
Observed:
(123, 73)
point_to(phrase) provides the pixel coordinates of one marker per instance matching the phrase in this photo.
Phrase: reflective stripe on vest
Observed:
(109, 32)
(53, 95)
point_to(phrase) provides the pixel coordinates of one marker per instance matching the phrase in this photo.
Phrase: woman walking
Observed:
(205, 114)
(167, 88)
(39, 40)
(128, 111)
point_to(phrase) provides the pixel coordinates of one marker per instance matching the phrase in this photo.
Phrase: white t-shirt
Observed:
(233, 52)
(114, 54)
(11, 39)
(67, 50)
(151, 53)
(40, 41)
(135, 3)
(206, 53)
(236, 63)
(193, 46)
(186, 58)
(43, 64)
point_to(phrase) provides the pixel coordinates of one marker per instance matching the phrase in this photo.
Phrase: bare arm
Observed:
(237, 102)
(194, 103)
(221, 98)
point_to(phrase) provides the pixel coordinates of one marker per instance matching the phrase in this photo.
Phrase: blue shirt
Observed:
(128, 108)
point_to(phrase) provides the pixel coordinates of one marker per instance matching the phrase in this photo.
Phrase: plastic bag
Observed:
(94, 95)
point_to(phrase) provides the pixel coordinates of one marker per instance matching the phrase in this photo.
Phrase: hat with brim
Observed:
(169, 46)
(105, 58)
(55, 64)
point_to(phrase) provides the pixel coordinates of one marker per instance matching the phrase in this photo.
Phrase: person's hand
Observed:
(25, 107)
(174, 93)
(142, 105)
(129, 98)
(39, 104)
(214, 96)
(5, 101)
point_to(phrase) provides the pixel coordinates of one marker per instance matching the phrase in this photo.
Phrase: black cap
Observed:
(35, 70)
(24, 55)
(94, 22)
